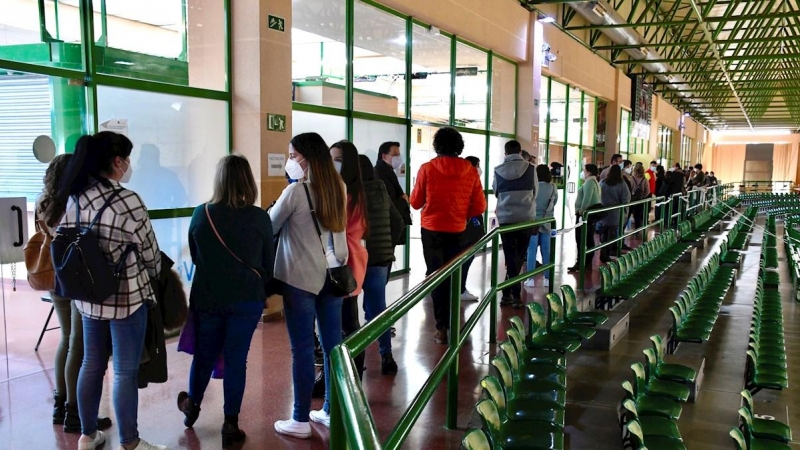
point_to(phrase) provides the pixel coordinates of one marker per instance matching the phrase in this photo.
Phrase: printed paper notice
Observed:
(276, 163)
(116, 125)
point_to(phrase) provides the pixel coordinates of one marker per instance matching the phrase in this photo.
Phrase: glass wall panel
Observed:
(27, 37)
(475, 145)
(544, 108)
(177, 143)
(331, 128)
(421, 152)
(588, 134)
(625, 132)
(171, 235)
(172, 41)
(504, 95)
(497, 154)
(379, 62)
(472, 67)
(558, 114)
(319, 58)
(430, 77)
(576, 117)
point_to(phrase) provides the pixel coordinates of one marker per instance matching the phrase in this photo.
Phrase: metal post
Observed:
(582, 249)
(455, 336)
(552, 282)
(494, 280)
(620, 231)
(338, 434)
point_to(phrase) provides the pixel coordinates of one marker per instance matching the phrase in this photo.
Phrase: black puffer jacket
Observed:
(385, 224)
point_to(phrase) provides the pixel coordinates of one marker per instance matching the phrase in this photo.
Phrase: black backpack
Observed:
(82, 270)
(638, 193)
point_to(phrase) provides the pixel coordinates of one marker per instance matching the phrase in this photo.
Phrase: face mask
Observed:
(672, 169)
(628, 170)
(397, 162)
(653, 168)
(583, 175)
(479, 171)
(126, 176)
(338, 166)
(294, 169)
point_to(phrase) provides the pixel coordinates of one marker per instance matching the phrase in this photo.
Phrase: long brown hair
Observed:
(234, 185)
(51, 207)
(351, 175)
(325, 182)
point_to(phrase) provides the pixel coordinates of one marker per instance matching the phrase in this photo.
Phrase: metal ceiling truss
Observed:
(736, 63)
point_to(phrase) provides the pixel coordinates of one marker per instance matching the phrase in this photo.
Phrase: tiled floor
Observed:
(26, 382)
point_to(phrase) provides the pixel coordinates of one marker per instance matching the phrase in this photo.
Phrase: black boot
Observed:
(231, 434)
(319, 386)
(58, 408)
(189, 408)
(388, 365)
(72, 420)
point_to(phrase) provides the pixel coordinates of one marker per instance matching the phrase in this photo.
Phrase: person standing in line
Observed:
(673, 184)
(50, 211)
(641, 191)
(384, 222)
(712, 180)
(546, 199)
(231, 243)
(303, 258)
(661, 177)
(699, 178)
(515, 185)
(616, 159)
(613, 192)
(389, 161)
(101, 163)
(472, 234)
(588, 199)
(448, 190)
(650, 174)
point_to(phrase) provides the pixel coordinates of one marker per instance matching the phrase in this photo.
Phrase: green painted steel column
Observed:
(229, 71)
(494, 280)
(409, 100)
(547, 123)
(349, 21)
(451, 421)
(453, 50)
(69, 107)
(87, 58)
(564, 158)
(103, 40)
(488, 139)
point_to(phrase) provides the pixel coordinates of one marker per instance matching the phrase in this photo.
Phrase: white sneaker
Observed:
(87, 443)
(468, 296)
(530, 283)
(144, 445)
(320, 417)
(546, 282)
(291, 427)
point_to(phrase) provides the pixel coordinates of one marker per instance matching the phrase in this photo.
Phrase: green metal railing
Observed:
(352, 424)
(622, 211)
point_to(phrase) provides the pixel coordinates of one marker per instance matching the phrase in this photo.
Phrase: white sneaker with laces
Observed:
(144, 445)
(291, 427)
(468, 296)
(530, 283)
(320, 417)
(87, 443)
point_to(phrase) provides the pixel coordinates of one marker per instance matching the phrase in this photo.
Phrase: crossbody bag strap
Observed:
(221, 241)
(316, 222)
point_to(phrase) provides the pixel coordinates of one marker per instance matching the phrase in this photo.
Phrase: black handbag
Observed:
(341, 280)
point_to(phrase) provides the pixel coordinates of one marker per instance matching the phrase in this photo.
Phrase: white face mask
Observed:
(397, 162)
(479, 171)
(672, 169)
(126, 176)
(583, 175)
(629, 170)
(294, 169)
(338, 166)
(653, 168)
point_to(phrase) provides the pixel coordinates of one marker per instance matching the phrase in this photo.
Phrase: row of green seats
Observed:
(791, 242)
(635, 271)
(769, 250)
(696, 310)
(766, 354)
(650, 406)
(728, 257)
(524, 403)
(756, 433)
(739, 236)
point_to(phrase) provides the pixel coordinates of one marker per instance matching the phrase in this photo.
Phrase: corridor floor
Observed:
(594, 375)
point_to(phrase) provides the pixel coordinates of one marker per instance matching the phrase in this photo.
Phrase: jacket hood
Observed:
(513, 167)
(452, 167)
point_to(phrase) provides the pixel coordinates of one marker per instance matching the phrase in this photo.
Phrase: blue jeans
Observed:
(540, 240)
(225, 331)
(375, 301)
(127, 340)
(301, 308)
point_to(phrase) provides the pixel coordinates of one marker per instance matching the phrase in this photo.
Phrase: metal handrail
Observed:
(352, 424)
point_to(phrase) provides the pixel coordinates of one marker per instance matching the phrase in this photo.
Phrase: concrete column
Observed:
(262, 81)
(529, 90)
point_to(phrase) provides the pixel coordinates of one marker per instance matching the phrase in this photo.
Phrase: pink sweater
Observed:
(357, 259)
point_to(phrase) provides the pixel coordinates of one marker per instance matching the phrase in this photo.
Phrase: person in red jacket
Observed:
(449, 192)
(650, 174)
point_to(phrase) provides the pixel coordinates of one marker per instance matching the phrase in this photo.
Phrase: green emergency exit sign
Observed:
(276, 23)
(276, 122)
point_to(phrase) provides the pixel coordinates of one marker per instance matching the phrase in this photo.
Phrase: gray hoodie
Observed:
(515, 185)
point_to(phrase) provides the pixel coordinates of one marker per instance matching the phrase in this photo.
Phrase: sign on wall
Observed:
(276, 23)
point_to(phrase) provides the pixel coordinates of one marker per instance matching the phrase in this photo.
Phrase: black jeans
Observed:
(609, 233)
(439, 248)
(515, 248)
(590, 232)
